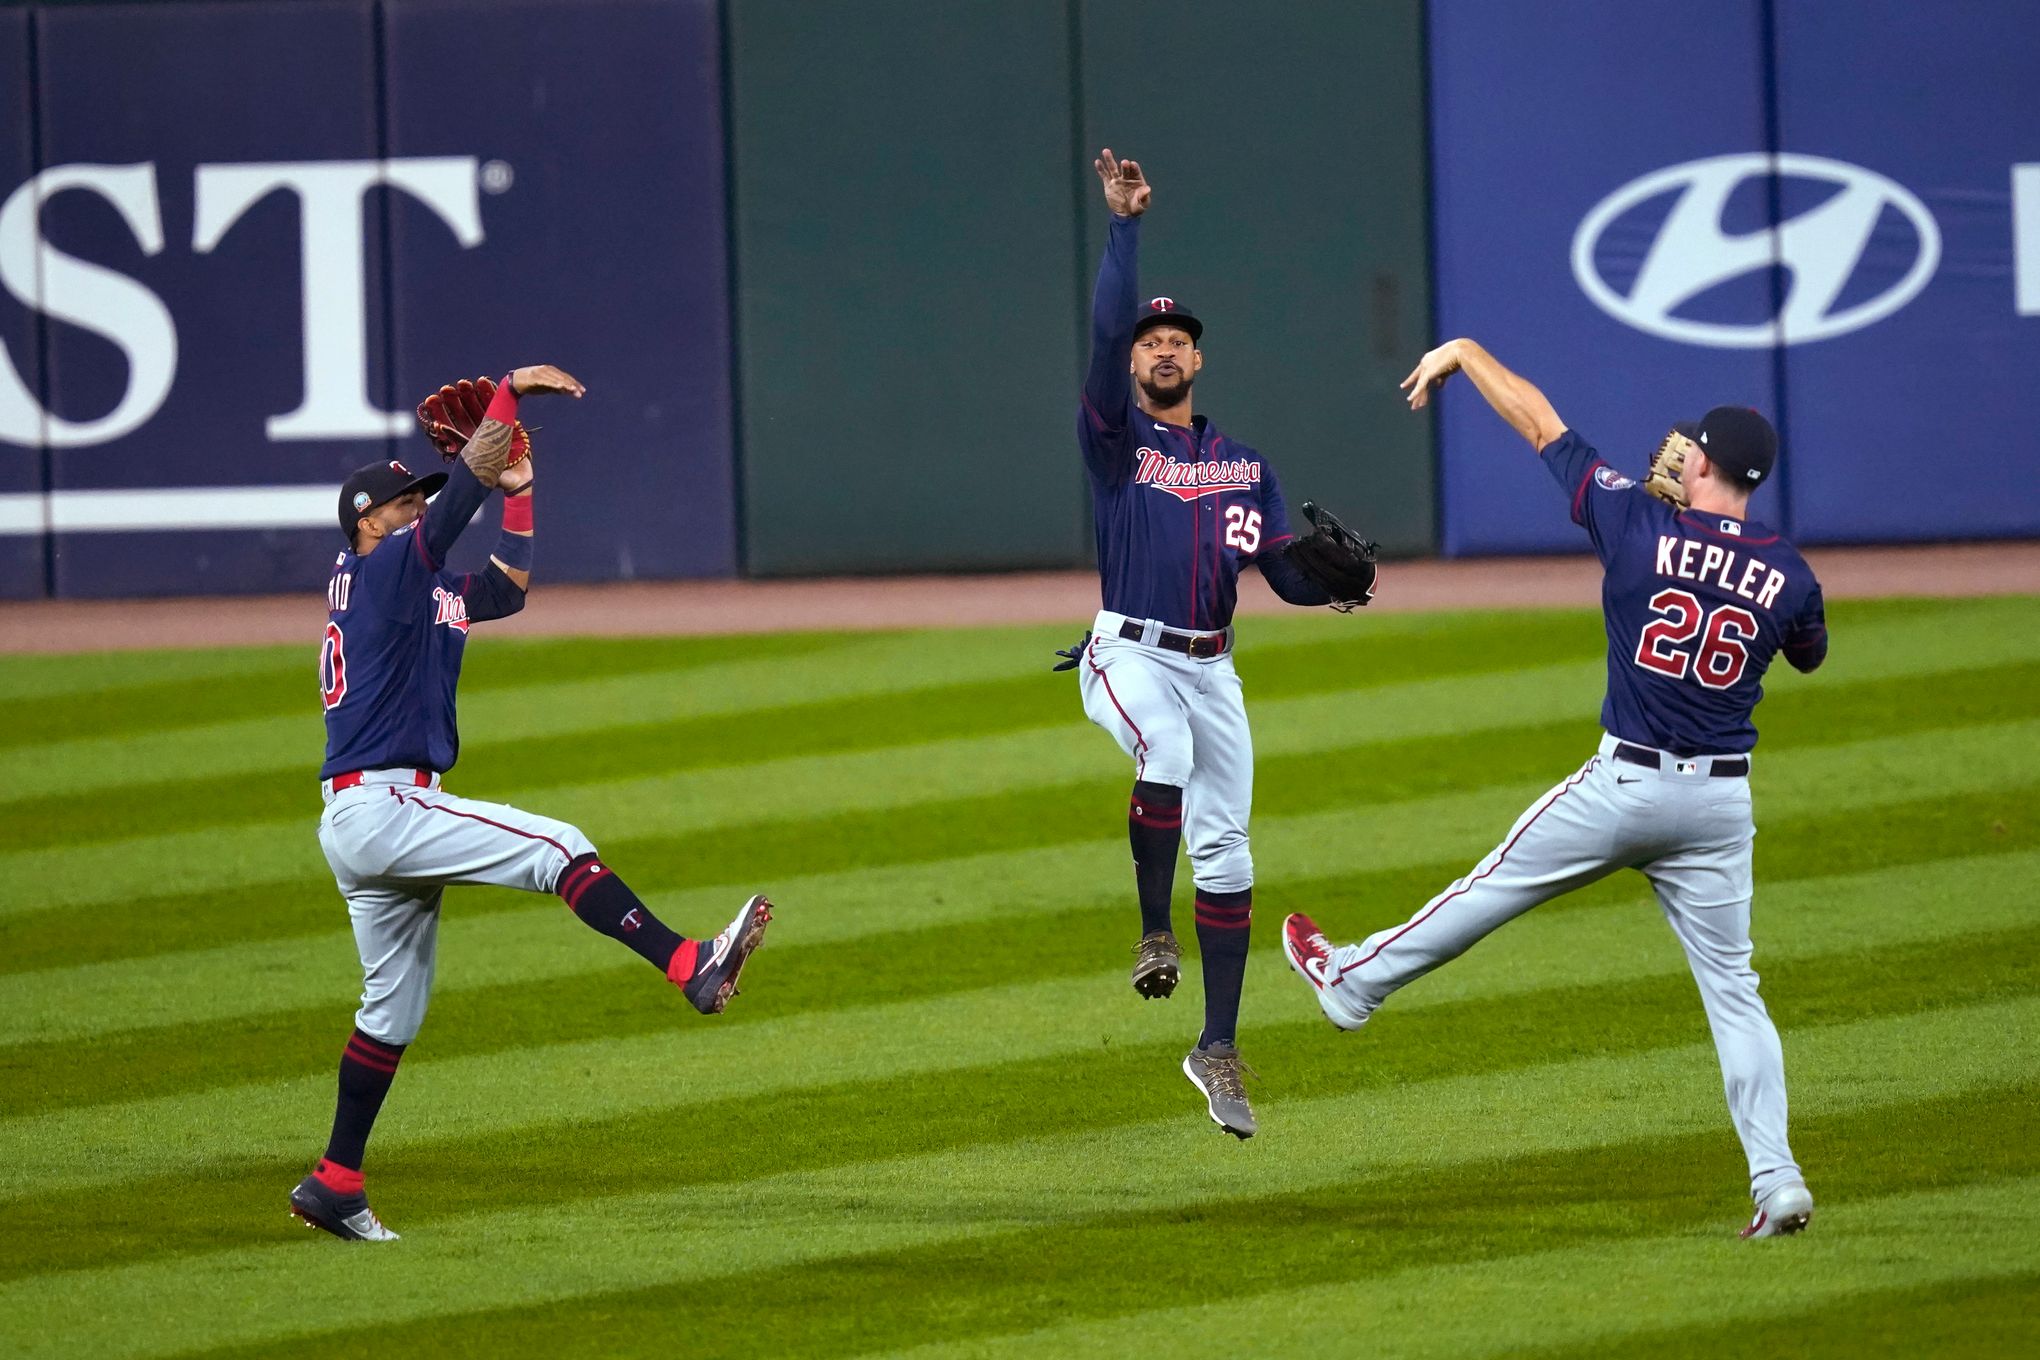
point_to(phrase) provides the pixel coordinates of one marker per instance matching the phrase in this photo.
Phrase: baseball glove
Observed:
(451, 415)
(1662, 480)
(1336, 558)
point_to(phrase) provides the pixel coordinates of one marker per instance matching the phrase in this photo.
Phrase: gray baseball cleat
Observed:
(347, 1217)
(1157, 965)
(1216, 1071)
(715, 972)
(1785, 1211)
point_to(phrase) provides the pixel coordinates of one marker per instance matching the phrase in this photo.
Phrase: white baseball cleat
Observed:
(1310, 954)
(1785, 1211)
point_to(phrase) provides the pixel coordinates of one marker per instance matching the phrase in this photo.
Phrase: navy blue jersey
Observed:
(1696, 604)
(1177, 509)
(395, 633)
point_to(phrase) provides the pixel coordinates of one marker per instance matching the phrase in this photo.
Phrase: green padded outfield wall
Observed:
(916, 226)
(904, 234)
(1286, 143)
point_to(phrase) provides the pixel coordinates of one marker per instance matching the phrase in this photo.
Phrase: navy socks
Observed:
(367, 1067)
(605, 903)
(1154, 823)
(1224, 922)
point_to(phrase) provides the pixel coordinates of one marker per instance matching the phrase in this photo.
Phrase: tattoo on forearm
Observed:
(488, 452)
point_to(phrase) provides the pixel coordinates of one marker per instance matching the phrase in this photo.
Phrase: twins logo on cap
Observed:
(1162, 304)
(395, 466)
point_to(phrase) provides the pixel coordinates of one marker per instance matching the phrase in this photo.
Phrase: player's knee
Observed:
(575, 846)
(1225, 865)
(394, 1019)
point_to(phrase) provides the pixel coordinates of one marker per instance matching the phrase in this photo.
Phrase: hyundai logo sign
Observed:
(1821, 250)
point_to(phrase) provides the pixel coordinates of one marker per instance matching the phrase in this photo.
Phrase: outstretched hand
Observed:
(1431, 371)
(539, 379)
(1126, 189)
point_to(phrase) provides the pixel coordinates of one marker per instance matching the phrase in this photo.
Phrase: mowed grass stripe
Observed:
(538, 957)
(136, 692)
(856, 1118)
(541, 984)
(950, 1031)
(256, 975)
(1316, 656)
(1799, 717)
(148, 925)
(699, 680)
(1498, 1306)
(948, 779)
(1989, 1315)
(1513, 1215)
(520, 1258)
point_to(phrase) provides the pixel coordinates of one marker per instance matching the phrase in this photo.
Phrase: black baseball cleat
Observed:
(347, 1217)
(1157, 965)
(722, 959)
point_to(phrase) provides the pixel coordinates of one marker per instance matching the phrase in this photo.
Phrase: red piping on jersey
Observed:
(1580, 491)
(1712, 532)
(1196, 513)
(1140, 758)
(1427, 912)
(476, 817)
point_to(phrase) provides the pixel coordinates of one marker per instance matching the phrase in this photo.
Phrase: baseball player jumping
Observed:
(388, 668)
(1698, 598)
(1179, 508)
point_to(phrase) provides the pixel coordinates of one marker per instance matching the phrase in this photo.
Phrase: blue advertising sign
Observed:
(262, 231)
(1564, 137)
(1910, 399)
(22, 504)
(225, 356)
(594, 134)
(1632, 215)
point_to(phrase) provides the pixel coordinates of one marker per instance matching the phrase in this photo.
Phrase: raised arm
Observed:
(486, 457)
(1115, 301)
(1514, 398)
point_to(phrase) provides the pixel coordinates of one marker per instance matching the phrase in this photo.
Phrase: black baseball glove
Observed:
(1336, 558)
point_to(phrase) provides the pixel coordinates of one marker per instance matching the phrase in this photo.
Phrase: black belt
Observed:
(1724, 767)
(1189, 644)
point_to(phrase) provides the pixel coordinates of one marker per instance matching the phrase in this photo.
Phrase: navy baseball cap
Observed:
(1737, 440)
(378, 484)
(1166, 311)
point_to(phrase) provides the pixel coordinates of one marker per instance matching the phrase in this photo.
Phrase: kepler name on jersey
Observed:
(1717, 566)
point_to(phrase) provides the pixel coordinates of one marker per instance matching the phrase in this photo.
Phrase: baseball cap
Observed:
(1737, 440)
(1166, 311)
(377, 484)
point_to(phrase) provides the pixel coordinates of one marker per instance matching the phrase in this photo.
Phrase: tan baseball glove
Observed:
(1662, 480)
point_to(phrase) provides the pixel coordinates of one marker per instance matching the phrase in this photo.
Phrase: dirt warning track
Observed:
(664, 608)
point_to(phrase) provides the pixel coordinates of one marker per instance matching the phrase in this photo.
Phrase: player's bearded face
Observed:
(1165, 364)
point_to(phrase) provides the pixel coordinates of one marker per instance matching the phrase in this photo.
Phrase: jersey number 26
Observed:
(1719, 661)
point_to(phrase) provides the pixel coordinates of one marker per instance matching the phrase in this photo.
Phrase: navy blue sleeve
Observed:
(1806, 644)
(489, 593)
(1108, 385)
(448, 514)
(1272, 554)
(1604, 502)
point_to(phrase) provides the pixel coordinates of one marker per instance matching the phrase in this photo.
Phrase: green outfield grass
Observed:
(939, 1121)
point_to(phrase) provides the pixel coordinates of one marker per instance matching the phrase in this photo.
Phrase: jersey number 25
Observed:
(1722, 653)
(1242, 529)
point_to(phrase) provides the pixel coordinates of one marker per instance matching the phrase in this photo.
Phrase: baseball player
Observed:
(1697, 598)
(388, 668)
(1179, 508)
